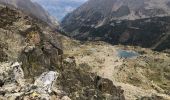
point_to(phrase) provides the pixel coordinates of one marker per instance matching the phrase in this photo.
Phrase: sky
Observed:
(59, 8)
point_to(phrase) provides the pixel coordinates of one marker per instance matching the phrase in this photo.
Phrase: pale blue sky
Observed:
(59, 8)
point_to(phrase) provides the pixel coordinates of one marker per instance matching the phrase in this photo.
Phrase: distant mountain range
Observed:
(134, 22)
(99, 12)
(33, 9)
(59, 8)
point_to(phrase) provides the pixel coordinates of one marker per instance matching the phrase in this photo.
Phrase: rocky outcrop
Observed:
(28, 40)
(15, 87)
(71, 83)
(80, 84)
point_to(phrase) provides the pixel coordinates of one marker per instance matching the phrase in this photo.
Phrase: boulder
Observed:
(18, 73)
(46, 81)
(65, 98)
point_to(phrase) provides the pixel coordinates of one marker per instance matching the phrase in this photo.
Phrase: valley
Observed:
(142, 76)
(127, 22)
(103, 50)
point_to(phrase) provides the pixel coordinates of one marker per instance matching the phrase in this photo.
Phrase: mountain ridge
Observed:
(112, 21)
(32, 8)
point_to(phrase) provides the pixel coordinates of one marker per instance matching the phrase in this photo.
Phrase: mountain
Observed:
(31, 58)
(135, 22)
(33, 66)
(33, 9)
(59, 8)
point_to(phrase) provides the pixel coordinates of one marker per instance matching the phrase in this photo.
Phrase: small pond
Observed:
(127, 54)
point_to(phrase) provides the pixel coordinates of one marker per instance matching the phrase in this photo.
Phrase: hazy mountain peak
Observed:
(59, 8)
(32, 8)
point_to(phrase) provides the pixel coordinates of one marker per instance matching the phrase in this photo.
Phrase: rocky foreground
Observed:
(72, 83)
(84, 76)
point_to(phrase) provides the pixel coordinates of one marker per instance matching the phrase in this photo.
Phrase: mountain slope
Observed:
(121, 21)
(28, 40)
(33, 9)
(97, 12)
(131, 74)
(30, 48)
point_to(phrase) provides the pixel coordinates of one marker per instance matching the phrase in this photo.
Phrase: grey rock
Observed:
(10, 88)
(29, 48)
(46, 81)
(18, 73)
(65, 98)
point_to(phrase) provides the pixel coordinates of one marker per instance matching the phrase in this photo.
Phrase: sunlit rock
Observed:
(46, 81)
(65, 98)
(18, 73)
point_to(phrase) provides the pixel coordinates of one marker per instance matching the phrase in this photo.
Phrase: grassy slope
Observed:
(143, 76)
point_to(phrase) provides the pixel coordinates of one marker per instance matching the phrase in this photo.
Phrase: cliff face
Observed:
(29, 41)
(133, 22)
(32, 8)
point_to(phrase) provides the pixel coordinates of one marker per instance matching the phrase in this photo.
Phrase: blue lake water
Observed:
(127, 54)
